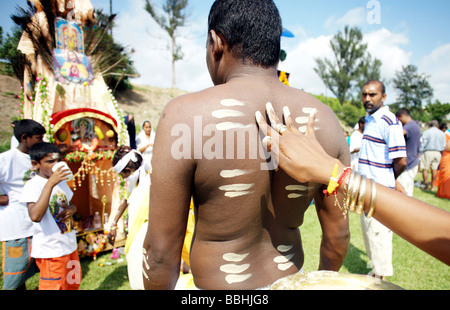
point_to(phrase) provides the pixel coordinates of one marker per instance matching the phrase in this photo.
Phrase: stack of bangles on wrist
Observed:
(355, 190)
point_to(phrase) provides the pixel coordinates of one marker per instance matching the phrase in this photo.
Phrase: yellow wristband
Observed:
(333, 185)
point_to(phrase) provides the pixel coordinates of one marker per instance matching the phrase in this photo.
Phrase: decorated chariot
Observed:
(65, 92)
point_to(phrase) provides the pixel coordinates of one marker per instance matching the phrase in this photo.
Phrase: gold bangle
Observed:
(355, 192)
(362, 196)
(349, 190)
(372, 199)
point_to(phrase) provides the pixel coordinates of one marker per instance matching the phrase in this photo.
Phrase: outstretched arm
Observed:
(421, 224)
(335, 227)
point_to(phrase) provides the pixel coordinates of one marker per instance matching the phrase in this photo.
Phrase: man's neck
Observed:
(23, 148)
(374, 112)
(252, 72)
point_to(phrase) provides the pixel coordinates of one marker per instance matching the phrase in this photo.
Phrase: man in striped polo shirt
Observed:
(382, 158)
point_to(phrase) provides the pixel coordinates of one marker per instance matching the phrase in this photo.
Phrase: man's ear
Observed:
(217, 44)
(35, 165)
(23, 137)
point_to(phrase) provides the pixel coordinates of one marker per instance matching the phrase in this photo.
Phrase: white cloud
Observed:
(136, 29)
(354, 18)
(387, 46)
(437, 64)
(301, 62)
(382, 44)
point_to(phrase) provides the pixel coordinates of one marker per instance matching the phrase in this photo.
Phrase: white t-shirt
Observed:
(355, 143)
(15, 169)
(50, 241)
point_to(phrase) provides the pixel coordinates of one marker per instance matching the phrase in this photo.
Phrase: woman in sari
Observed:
(145, 141)
(129, 164)
(444, 170)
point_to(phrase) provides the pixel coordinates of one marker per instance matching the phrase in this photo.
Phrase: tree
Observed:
(176, 17)
(414, 89)
(351, 65)
(437, 111)
(14, 59)
(369, 70)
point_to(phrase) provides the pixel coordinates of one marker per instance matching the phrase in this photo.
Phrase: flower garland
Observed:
(123, 131)
(77, 156)
(21, 104)
(42, 88)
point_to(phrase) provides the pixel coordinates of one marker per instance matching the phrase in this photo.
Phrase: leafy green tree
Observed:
(350, 67)
(333, 103)
(351, 114)
(438, 111)
(175, 18)
(14, 60)
(414, 89)
(369, 70)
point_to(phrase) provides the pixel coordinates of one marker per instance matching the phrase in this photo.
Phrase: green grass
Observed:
(95, 277)
(413, 268)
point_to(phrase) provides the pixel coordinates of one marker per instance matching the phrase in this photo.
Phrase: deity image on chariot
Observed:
(72, 67)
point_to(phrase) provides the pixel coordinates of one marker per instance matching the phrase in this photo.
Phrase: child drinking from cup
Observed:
(48, 197)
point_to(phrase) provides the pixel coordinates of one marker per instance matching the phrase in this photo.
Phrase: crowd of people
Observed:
(389, 148)
(247, 210)
(427, 152)
(36, 226)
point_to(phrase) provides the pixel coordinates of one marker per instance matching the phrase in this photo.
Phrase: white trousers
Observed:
(406, 179)
(378, 242)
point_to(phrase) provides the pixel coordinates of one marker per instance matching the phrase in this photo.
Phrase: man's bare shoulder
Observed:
(189, 101)
(328, 128)
(305, 99)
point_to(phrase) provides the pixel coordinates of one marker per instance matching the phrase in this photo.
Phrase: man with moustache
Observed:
(383, 159)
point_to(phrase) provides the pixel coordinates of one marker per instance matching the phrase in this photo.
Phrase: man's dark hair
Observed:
(403, 112)
(27, 127)
(252, 29)
(42, 149)
(383, 87)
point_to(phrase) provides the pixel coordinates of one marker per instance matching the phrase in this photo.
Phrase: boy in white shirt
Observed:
(16, 228)
(48, 199)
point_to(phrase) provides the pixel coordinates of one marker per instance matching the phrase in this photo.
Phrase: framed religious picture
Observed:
(72, 67)
(68, 35)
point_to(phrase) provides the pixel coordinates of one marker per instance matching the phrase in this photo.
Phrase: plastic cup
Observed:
(65, 167)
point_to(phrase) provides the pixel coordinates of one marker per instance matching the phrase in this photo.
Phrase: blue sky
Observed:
(410, 32)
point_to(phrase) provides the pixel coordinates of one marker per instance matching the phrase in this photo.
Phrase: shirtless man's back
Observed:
(208, 147)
